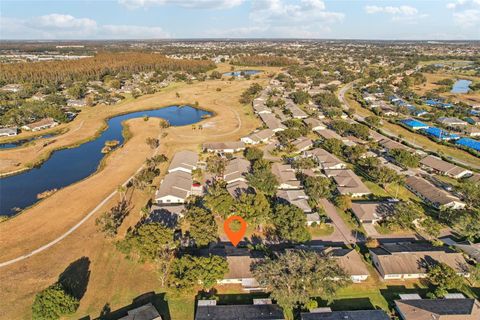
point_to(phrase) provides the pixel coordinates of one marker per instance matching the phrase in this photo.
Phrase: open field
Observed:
(416, 138)
(113, 279)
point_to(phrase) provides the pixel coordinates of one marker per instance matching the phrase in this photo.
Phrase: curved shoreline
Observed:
(113, 126)
(78, 224)
(49, 153)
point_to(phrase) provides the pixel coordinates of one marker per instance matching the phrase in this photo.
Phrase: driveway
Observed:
(342, 232)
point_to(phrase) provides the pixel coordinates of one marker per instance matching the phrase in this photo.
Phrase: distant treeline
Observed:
(262, 60)
(95, 68)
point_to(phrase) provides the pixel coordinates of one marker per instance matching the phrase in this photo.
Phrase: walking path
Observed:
(77, 225)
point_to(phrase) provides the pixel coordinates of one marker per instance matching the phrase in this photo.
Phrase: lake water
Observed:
(241, 73)
(18, 143)
(461, 86)
(68, 166)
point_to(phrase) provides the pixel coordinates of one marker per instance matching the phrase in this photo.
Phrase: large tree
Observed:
(318, 187)
(188, 271)
(290, 223)
(254, 208)
(216, 165)
(218, 200)
(296, 276)
(52, 303)
(404, 215)
(262, 179)
(471, 193)
(444, 278)
(203, 228)
(148, 241)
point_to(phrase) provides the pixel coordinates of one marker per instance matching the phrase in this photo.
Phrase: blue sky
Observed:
(159, 19)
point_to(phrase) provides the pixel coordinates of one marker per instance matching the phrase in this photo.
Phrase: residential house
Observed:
(325, 159)
(316, 124)
(411, 260)
(261, 309)
(145, 312)
(240, 261)
(414, 124)
(237, 188)
(439, 166)
(330, 134)
(175, 188)
(348, 260)
(224, 147)
(455, 307)
(372, 212)
(302, 144)
(286, 176)
(434, 196)
(450, 122)
(41, 125)
(328, 314)
(185, 161)
(297, 198)
(236, 170)
(297, 113)
(471, 131)
(259, 106)
(389, 144)
(348, 183)
(8, 132)
(76, 103)
(12, 87)
(272, 122)
(261, 136)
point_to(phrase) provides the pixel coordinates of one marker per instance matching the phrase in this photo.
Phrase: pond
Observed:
(68, 166)
(241, 73)
(18, 143)
(461, 86)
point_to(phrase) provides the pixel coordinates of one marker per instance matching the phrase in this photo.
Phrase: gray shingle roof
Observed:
(347, 315)
(240, 312)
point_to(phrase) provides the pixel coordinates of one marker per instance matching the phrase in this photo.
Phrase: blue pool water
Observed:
(241, 73)
(461, 86)
(68, 166)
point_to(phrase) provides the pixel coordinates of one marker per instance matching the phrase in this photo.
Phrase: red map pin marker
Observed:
(235, 236)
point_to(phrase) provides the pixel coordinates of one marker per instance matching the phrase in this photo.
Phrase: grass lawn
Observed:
(321, 230)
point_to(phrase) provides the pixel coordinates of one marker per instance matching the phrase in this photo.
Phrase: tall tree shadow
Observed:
(158, 300)
(75, 277)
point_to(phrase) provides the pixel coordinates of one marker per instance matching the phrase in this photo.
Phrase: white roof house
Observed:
(286, 176)
(8, 132)
(175, 188)
(325, 159)
(185, 161)
(261, 136)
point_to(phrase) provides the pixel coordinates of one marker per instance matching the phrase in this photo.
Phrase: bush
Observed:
(52, 303)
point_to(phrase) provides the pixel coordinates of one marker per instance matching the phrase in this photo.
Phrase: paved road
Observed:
(343, 100)
(342, 233)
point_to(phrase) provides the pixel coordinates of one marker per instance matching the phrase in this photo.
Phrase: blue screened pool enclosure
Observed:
(469, 143)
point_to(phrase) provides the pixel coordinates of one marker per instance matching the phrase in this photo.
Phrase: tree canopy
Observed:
(52, 303)
(296, 276)
(187, 271)
(290, 223)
